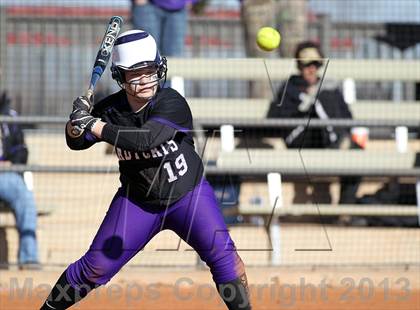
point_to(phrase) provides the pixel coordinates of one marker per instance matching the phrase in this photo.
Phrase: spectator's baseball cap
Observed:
(308, 53)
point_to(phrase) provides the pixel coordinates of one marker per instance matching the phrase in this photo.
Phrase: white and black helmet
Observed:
(135, 49)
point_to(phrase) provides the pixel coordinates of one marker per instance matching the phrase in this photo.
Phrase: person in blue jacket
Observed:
(13, 190)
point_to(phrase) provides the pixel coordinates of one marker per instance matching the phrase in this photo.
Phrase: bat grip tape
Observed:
(96, 74)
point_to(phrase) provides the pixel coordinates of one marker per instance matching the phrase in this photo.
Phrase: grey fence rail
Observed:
(247, 122)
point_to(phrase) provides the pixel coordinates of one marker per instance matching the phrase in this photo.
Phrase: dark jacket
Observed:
(12, 144)
(294, 102)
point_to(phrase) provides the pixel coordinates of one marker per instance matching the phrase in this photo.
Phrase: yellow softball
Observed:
(268, 38)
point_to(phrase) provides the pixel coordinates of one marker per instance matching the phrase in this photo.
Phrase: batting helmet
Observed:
(136, 49)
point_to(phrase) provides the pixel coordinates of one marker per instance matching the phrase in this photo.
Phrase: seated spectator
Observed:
(13, 190)
(299, 98)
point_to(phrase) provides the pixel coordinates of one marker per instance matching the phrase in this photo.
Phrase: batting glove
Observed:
(83, 119)
(82, 103)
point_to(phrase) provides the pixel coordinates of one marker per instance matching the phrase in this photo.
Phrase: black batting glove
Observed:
(83, 119)
(82, 103)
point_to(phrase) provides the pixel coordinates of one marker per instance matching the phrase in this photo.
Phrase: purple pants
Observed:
(128, 227)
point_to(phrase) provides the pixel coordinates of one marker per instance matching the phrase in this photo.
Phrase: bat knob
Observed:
(76, 131)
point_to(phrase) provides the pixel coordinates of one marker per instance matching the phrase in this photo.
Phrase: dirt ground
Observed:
(271, 288)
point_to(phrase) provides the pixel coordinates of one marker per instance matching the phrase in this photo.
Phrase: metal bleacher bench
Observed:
(327, 210)
(320, 163)
(330, 162)
(280, 69)
(5, 210)
(252, 112)
(42, 210)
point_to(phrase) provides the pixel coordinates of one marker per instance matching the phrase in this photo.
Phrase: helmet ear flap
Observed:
(162, 69)
(117, 74)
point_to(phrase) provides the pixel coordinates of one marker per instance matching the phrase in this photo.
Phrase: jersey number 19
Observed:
(180, 165)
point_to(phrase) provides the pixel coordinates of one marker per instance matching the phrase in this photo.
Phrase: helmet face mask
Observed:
(135, 50)
(142, 76)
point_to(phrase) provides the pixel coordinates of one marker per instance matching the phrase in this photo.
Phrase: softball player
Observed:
(162, 183)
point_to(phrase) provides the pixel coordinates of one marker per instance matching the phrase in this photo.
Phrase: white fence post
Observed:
(276, 201)
(418, 199)
(401, 138)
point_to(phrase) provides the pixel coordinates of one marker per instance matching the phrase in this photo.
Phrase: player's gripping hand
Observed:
(83, 119)
(82, 103)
